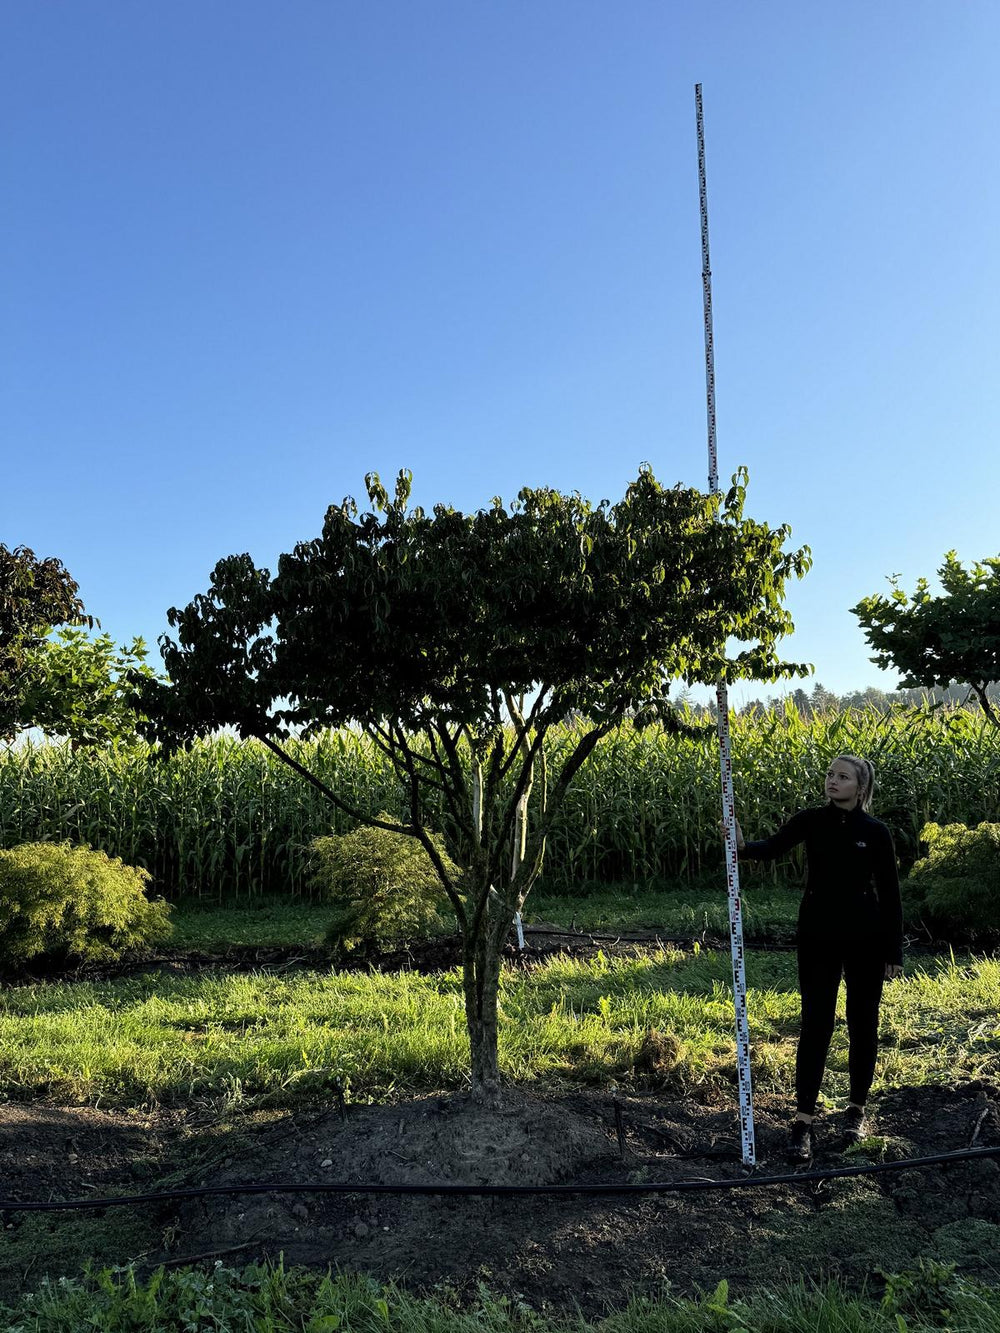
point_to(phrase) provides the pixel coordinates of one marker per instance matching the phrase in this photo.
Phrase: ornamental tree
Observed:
(939, 640)
(64, 682)
(457, 640)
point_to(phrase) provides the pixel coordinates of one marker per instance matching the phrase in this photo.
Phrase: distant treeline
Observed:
(820, 701)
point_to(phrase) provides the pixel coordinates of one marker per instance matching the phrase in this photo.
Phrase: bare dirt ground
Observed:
(554, 1252)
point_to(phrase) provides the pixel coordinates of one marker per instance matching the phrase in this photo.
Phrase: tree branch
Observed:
(331, 795)
(426, 727)
(569, 771)
(383, 741)
(523, 725)
(456, 789)
(988, 708)
(421, 832)
(522, 787)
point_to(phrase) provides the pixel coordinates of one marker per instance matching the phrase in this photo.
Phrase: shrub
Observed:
(383, 885)
(62, 902)
(955, 888)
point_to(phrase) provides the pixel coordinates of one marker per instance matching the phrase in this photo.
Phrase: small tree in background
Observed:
(934, 641)
(67, 685)
(35, 596)
(822, 700)
(456, 640)
(78, 687)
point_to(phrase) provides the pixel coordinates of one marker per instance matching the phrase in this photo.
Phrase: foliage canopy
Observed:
(66, 684)
(35, 596)
(934, 641)
(77, 687)
(425, 618)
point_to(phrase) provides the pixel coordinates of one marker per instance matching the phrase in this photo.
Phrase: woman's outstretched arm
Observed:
(788, 836)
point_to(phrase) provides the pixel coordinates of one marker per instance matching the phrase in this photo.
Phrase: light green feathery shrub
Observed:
(62, 903)
(382, 885)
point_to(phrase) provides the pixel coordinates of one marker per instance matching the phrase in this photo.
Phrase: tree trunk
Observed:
(481, 979)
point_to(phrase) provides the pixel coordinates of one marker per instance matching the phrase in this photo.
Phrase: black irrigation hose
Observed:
(504, 1191)
(705, 941)
(710, 942)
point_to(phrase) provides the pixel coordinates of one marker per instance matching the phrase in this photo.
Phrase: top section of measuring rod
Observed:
(706, 283)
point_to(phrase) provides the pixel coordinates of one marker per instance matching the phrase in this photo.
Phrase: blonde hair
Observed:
(864, 771)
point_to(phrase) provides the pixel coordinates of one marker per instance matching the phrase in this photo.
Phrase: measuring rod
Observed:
(722, 697)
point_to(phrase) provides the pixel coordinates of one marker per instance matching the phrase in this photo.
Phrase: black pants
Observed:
(821, 965)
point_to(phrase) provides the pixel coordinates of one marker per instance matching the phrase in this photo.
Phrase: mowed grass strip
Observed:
(769, 912)
(284, 1041)
(769, 916)
(273, 920)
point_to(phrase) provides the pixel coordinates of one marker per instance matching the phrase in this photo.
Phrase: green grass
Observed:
(769, 914)
(270, 920)
(244, 1045)
(268, 1040)
(769, 911)
(269, 1296)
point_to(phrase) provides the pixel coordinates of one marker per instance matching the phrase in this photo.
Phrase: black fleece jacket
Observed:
(852, 886)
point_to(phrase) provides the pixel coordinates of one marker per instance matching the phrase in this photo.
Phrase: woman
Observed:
(850, 925)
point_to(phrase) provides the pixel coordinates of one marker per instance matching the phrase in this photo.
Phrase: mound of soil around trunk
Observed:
(559, 1251)
(555, 1252)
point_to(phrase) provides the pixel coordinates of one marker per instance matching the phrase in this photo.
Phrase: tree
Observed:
(79, 687)
(69, 685)
(35, 596)
(754, 708)
(935, 641)
(457, 640)
(800, 701)
(822, 700)
(870, 697)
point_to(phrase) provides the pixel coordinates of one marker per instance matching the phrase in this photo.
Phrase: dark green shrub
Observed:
(383, 886)
(63, 902)
(955, 889)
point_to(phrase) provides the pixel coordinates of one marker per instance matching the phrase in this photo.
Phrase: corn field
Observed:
(227, 820)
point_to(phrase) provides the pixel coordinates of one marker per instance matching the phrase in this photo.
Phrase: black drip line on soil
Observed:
(506, 1191)
(268, 958)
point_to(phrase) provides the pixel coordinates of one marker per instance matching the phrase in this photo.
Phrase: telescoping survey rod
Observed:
(722, 697)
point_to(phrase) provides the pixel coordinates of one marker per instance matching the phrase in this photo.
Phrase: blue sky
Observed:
(252, 251)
